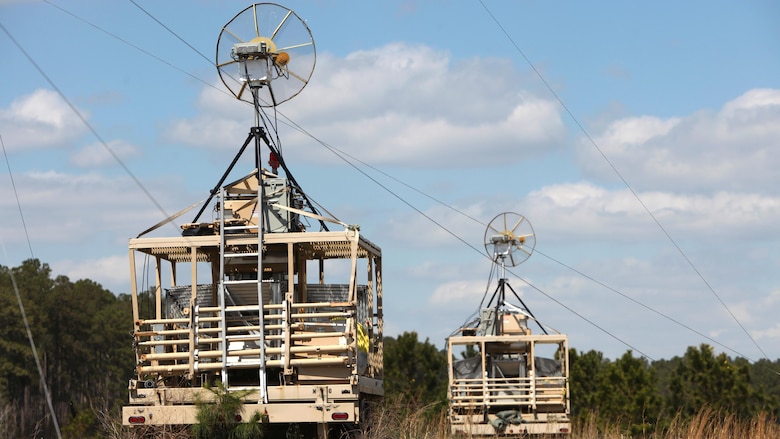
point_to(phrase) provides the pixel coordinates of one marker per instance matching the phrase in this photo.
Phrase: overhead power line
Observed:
(351, 160)
(621, 177)
(19, 296)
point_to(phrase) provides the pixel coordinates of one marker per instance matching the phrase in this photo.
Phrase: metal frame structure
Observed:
(309, 352)
(507, 387)
(508, 394)
(245, 311)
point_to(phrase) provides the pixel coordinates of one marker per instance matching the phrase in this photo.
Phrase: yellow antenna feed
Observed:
(282, 59)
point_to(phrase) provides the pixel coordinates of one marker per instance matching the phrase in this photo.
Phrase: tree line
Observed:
(642, 396)
(630, 393)
(82, 333)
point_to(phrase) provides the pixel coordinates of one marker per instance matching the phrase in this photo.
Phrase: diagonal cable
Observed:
(170, 30)
(144, 51)
(16, 194)
(84, 121)
(623, 179)
(342, 154)
(19, 299)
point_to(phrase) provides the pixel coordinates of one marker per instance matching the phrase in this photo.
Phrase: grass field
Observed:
(402, 424)
(405, 423)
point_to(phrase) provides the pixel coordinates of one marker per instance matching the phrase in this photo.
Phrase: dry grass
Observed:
(419, 423)
(707, 424)
(400, 421)
(405, 421)
(8, 416)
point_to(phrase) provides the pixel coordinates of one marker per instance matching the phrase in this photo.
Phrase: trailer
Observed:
(503, 379)
(305, 337)
(250, 300)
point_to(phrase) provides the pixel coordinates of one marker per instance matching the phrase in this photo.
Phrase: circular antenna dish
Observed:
(267, 49)
(510, 238)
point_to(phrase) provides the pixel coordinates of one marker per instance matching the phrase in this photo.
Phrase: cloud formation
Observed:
(404, 105)
(97, 154)
(39, 120)
(732, 149)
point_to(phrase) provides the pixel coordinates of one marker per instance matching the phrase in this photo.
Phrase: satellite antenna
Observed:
(509, 237)
(509, 240)
(265, 55)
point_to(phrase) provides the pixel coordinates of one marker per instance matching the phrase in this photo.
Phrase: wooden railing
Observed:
(495, 392)
(316, 333)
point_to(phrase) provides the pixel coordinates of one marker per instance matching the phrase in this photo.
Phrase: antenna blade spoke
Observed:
(293, 74)
(224, 29)
(271, 92)
(241, 90)
(495, 229)
(517, 224)
(295, 46)
(232, 61)
(273, 35)
(254, 15)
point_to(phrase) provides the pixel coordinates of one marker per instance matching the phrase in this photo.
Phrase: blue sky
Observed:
(683, 99)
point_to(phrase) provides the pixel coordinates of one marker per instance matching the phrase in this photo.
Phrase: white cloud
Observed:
(586, 210)
(403, 104)
(111, 272)
(222, 122)
(584, 225)
(771, 333)
(61, 207)
(752, 101)
(40, 119)
(631, 132)
(96, 155)
(757, 309)
(448, 228)
(733, 149)
(458, 292)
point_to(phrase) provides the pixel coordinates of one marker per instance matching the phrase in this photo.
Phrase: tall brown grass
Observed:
(404, 420)
(423, 423)
(409, 421)
(711, 424)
